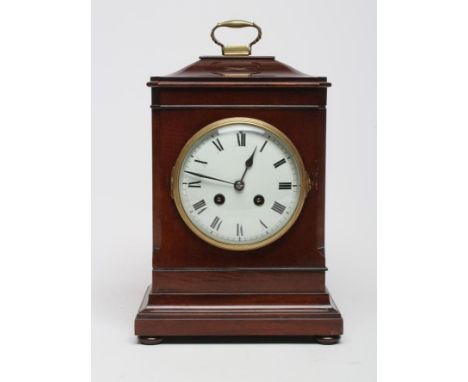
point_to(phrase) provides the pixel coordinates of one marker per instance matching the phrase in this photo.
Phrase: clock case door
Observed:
(201, 290)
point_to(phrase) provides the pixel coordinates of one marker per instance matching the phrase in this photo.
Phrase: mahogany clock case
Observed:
(201, 290)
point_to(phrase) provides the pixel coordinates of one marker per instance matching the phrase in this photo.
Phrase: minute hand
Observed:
(207, 177)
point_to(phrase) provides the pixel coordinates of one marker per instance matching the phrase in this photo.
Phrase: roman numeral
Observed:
(263, 224)
(278, 207)
(264, 144)
(200, 161)
(241, 138)
(201, 205)
(240, 230)
(194, 184)
(216, 223)
(218, 144)
(279, 163)
(285, 185)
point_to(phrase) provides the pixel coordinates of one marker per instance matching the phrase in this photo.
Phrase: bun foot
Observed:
(150, 340)
(328, 340)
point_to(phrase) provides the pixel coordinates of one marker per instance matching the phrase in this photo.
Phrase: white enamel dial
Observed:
(239, 183)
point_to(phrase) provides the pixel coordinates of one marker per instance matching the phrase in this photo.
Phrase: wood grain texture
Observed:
(172, 128)
(238, 281)
(201, 290)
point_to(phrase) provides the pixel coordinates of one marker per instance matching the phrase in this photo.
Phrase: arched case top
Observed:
(256, 70)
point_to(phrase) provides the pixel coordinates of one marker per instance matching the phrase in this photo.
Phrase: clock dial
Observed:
(239, 183)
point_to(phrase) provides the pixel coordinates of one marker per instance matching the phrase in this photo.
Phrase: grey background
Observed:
(132, 40)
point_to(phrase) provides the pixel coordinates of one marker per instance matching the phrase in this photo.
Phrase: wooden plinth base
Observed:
(283, 315)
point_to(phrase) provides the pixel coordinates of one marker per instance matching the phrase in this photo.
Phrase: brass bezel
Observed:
(304, 178)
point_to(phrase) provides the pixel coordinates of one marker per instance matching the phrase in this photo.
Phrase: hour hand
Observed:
(249, 162)
(207, 177)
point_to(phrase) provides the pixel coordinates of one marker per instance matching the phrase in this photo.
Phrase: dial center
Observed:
(239, 185)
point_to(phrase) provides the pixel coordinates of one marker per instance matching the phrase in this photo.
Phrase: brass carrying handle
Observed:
(236, 50)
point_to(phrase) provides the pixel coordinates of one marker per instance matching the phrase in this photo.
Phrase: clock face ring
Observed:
(239, 183)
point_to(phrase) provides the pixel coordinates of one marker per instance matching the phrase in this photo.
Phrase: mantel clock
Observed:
(238, 201)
